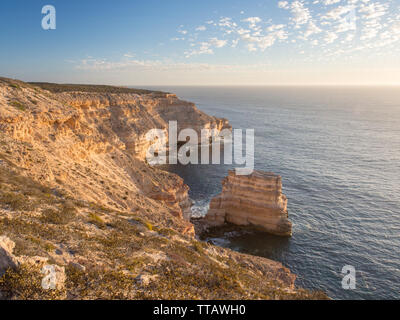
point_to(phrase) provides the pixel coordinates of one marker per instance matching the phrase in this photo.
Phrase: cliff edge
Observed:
(77, 197)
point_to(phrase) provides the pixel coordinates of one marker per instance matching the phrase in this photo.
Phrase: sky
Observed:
(207, 42)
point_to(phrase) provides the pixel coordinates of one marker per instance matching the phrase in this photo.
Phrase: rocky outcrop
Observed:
(7, 259)
(255, 200)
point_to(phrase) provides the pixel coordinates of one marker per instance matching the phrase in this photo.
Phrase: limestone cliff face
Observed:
(255, 200)
(130, 116)
(93, 144)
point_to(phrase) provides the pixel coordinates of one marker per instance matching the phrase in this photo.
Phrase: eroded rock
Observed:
(255, 200)
(145, 279)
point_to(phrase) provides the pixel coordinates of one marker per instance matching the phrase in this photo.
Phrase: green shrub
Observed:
(18, 105)
(13, 85)
(198, 246)
(25, 283)
(149, 226)
(16, 201)
(63, 216)
(96, 220)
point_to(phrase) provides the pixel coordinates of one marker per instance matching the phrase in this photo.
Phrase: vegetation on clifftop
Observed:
(57, 88)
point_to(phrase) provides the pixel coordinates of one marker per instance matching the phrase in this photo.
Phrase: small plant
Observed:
(16, 201)
(18, 105)
(25, 283)
(167, 232)
(36, 241)
(63, 216)
(96, 220)
(49, 247)
(198, 246)
(13, 85)
(149, 226)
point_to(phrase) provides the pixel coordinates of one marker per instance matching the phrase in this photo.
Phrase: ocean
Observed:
(338, 152)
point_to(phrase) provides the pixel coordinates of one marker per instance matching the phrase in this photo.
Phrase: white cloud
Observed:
(334, 19)
(350, 37)
(227, 22)
(337, 13)
(104, 64)
(252, 21)
(275, 27)
(330, 37)
(251, 47)
(311, 30)
(371, 15)
(227, 25)
(101, 64)
(204, 48)
(257, 41)
(373, 10)
(345, 25)
(301, 14)
(283, 5)
(218, 43)
(242, 31)
(329, 2)
(235, 43)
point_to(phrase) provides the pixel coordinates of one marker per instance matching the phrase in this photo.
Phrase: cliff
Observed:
(255, 200)
(101, 136)
(76, 194)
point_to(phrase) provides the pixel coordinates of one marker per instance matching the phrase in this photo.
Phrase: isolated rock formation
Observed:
(255, 200)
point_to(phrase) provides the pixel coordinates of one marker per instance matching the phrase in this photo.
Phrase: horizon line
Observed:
(272, 85)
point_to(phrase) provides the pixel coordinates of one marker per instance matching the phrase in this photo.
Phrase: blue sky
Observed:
(175, 42)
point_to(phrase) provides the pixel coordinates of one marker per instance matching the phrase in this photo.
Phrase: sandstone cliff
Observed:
(255, 200)
(75, 193)
(101, 135)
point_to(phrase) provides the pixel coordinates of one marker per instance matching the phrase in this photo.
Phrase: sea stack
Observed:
(252, 200)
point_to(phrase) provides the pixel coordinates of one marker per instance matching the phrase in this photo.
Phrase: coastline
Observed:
(83, 199)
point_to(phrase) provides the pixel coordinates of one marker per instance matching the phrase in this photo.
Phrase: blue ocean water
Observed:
(338, 152)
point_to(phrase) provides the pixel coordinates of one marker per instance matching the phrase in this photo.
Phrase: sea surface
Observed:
(338, 152)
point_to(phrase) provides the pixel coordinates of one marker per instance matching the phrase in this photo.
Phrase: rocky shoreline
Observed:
(76, 194)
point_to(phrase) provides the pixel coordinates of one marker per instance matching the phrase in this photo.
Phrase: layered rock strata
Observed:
(255, 200)
(103, 136)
